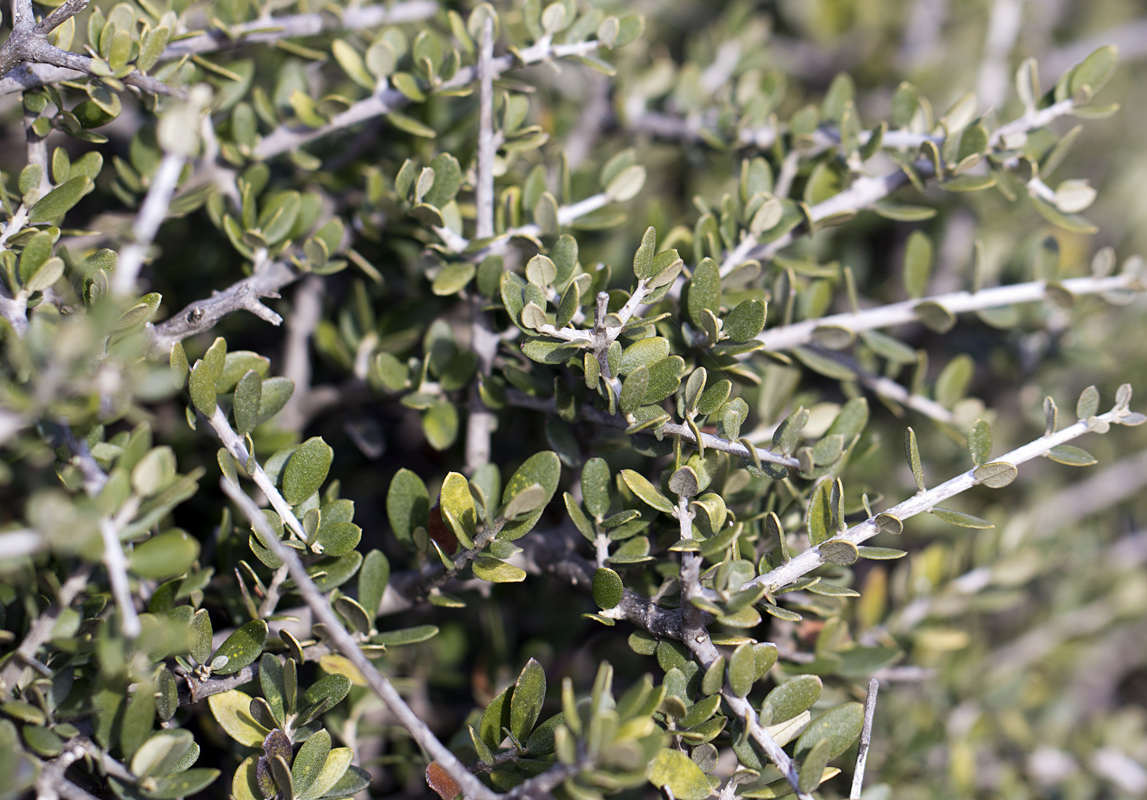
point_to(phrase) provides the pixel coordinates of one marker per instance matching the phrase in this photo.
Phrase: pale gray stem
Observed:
(147, 222)
(304, 318)
(788, 337)
(811, 558)
(485, 187)
(471, 786)
(116, 565)
(238, 450)
(865, 739)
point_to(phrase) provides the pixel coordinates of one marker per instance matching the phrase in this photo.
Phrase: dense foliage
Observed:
(601, 416)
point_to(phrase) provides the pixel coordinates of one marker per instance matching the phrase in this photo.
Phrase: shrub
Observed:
(567, 451)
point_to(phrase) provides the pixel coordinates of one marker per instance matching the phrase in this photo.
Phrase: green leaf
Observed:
(242, 647)
(820, 512)
(917, 264)
(332, 687)
(673, 769)
(231, 711)
(840, 726)
(607, 588)
(162, 753)
(202, 388)
(1071, 456)
(704, 290)
(1095, 70)
(440, 424)
(633, 390)
(746, 320)
(543, 469)
(742, 670)
(996, 474)
(275, 394)
(643, 353)
(407, 505)
(626, 186)
(336, 769)
(336, 538)
(310, 760)
(961, 519)
(182, 784)
(595, 482)
(164, 556)
(456, 500)
(248, 397)
(60, 200)
(1088, 404)
(372, 580)
(646, 491)
(912, 452)
(496, 571)
(527, 700)
(839, 551)
(980, 442)
(812, 768)
(496, 717)
(306, 470)
(791, 698)
(643, 258)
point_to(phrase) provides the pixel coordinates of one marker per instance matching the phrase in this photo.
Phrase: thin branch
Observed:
(865, 739)
(923, 502)
(483, 340)
(202, 315)
(304, 318)
(147, 222)
(471, 786)
(238, 450)
(274, 29)
(890, 389)
(788, 337)
(706, 653)
(116, 566)
(485, 184)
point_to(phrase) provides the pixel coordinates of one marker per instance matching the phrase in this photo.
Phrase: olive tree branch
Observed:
(28, 43)
(706, 653)
(273, 29)
(202, 315)
(471, 786)
(151, 215)
(865, 739)
(238, 450)
(483, 341)
(925, 501)
(787, 337)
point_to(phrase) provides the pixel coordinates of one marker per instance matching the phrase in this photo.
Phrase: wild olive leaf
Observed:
(230, 710)
(242, 647)
(840, 726)
(306, 470)
(541, 469)
(676, 771)
(646, 491)
(527, 700)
